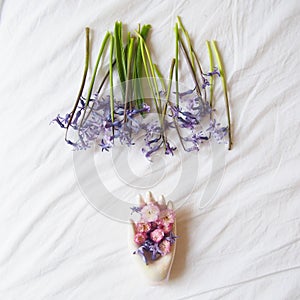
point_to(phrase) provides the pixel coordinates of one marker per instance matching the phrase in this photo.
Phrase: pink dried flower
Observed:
(157, 235)
(168, 228)
(150, 213)
(165, 247)
(166, 217)
(140, 238)
(143, 227)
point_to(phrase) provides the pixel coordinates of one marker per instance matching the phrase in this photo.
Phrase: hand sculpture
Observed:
(152, 239)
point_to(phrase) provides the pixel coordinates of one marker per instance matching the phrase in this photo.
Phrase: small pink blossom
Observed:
(150, 212)
(143, 227)
(168, 228)
(157, 235)
(165, 247)
(140, 238)
(166, 217)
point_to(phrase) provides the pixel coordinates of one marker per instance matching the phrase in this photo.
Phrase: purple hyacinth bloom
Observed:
(152, 129)
(169, 149)
(140, 251)
(205, 83)
(135, 111)
(105, 146)
(77, 116)
(217, 131)
(58, 121)
(124, 136)
(155, 251)
(149, 142)
(188, 92)
(172, 238)
(191, 149)
(203, 109)
(71, 143)
(135, 209)
(61, 121)
(214, 72)
(185, 118)
(196, 138)
(149, 152)
(66, 118)
(98, 126)
(115, 124)
(153, 248)
(82, 103)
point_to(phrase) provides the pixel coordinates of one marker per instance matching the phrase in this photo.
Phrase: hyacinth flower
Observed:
(192, 111)
(104, 120)
(153, 248)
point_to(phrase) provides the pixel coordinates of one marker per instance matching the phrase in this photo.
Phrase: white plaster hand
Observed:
(156, 270)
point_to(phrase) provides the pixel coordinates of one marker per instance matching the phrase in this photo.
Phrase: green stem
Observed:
(211, 80)
(167, 99)
(120, 59)
(147, 71)
(86, 66)
(190, 66)
(168, 102)
(128, 88)
(169, 87)
(201, 73)
(176, 63)
(160, 76)
(223, 78)
(138, 69)
(189, 42)
(99, 89)
(156, 92)
(104, 79)
(94, 75)
(111, 83)
(151, 65)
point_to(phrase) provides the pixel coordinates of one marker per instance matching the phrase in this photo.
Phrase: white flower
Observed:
(150, 213)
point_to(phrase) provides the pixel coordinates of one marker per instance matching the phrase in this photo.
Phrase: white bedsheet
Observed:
(244, 244)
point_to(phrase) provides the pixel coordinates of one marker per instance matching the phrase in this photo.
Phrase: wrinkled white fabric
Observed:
(244, 244)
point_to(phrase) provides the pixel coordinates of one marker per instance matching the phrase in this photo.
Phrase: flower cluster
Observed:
(99, 127)
(105, 119)
(194, 117)
(154, 234)
(191, 116)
